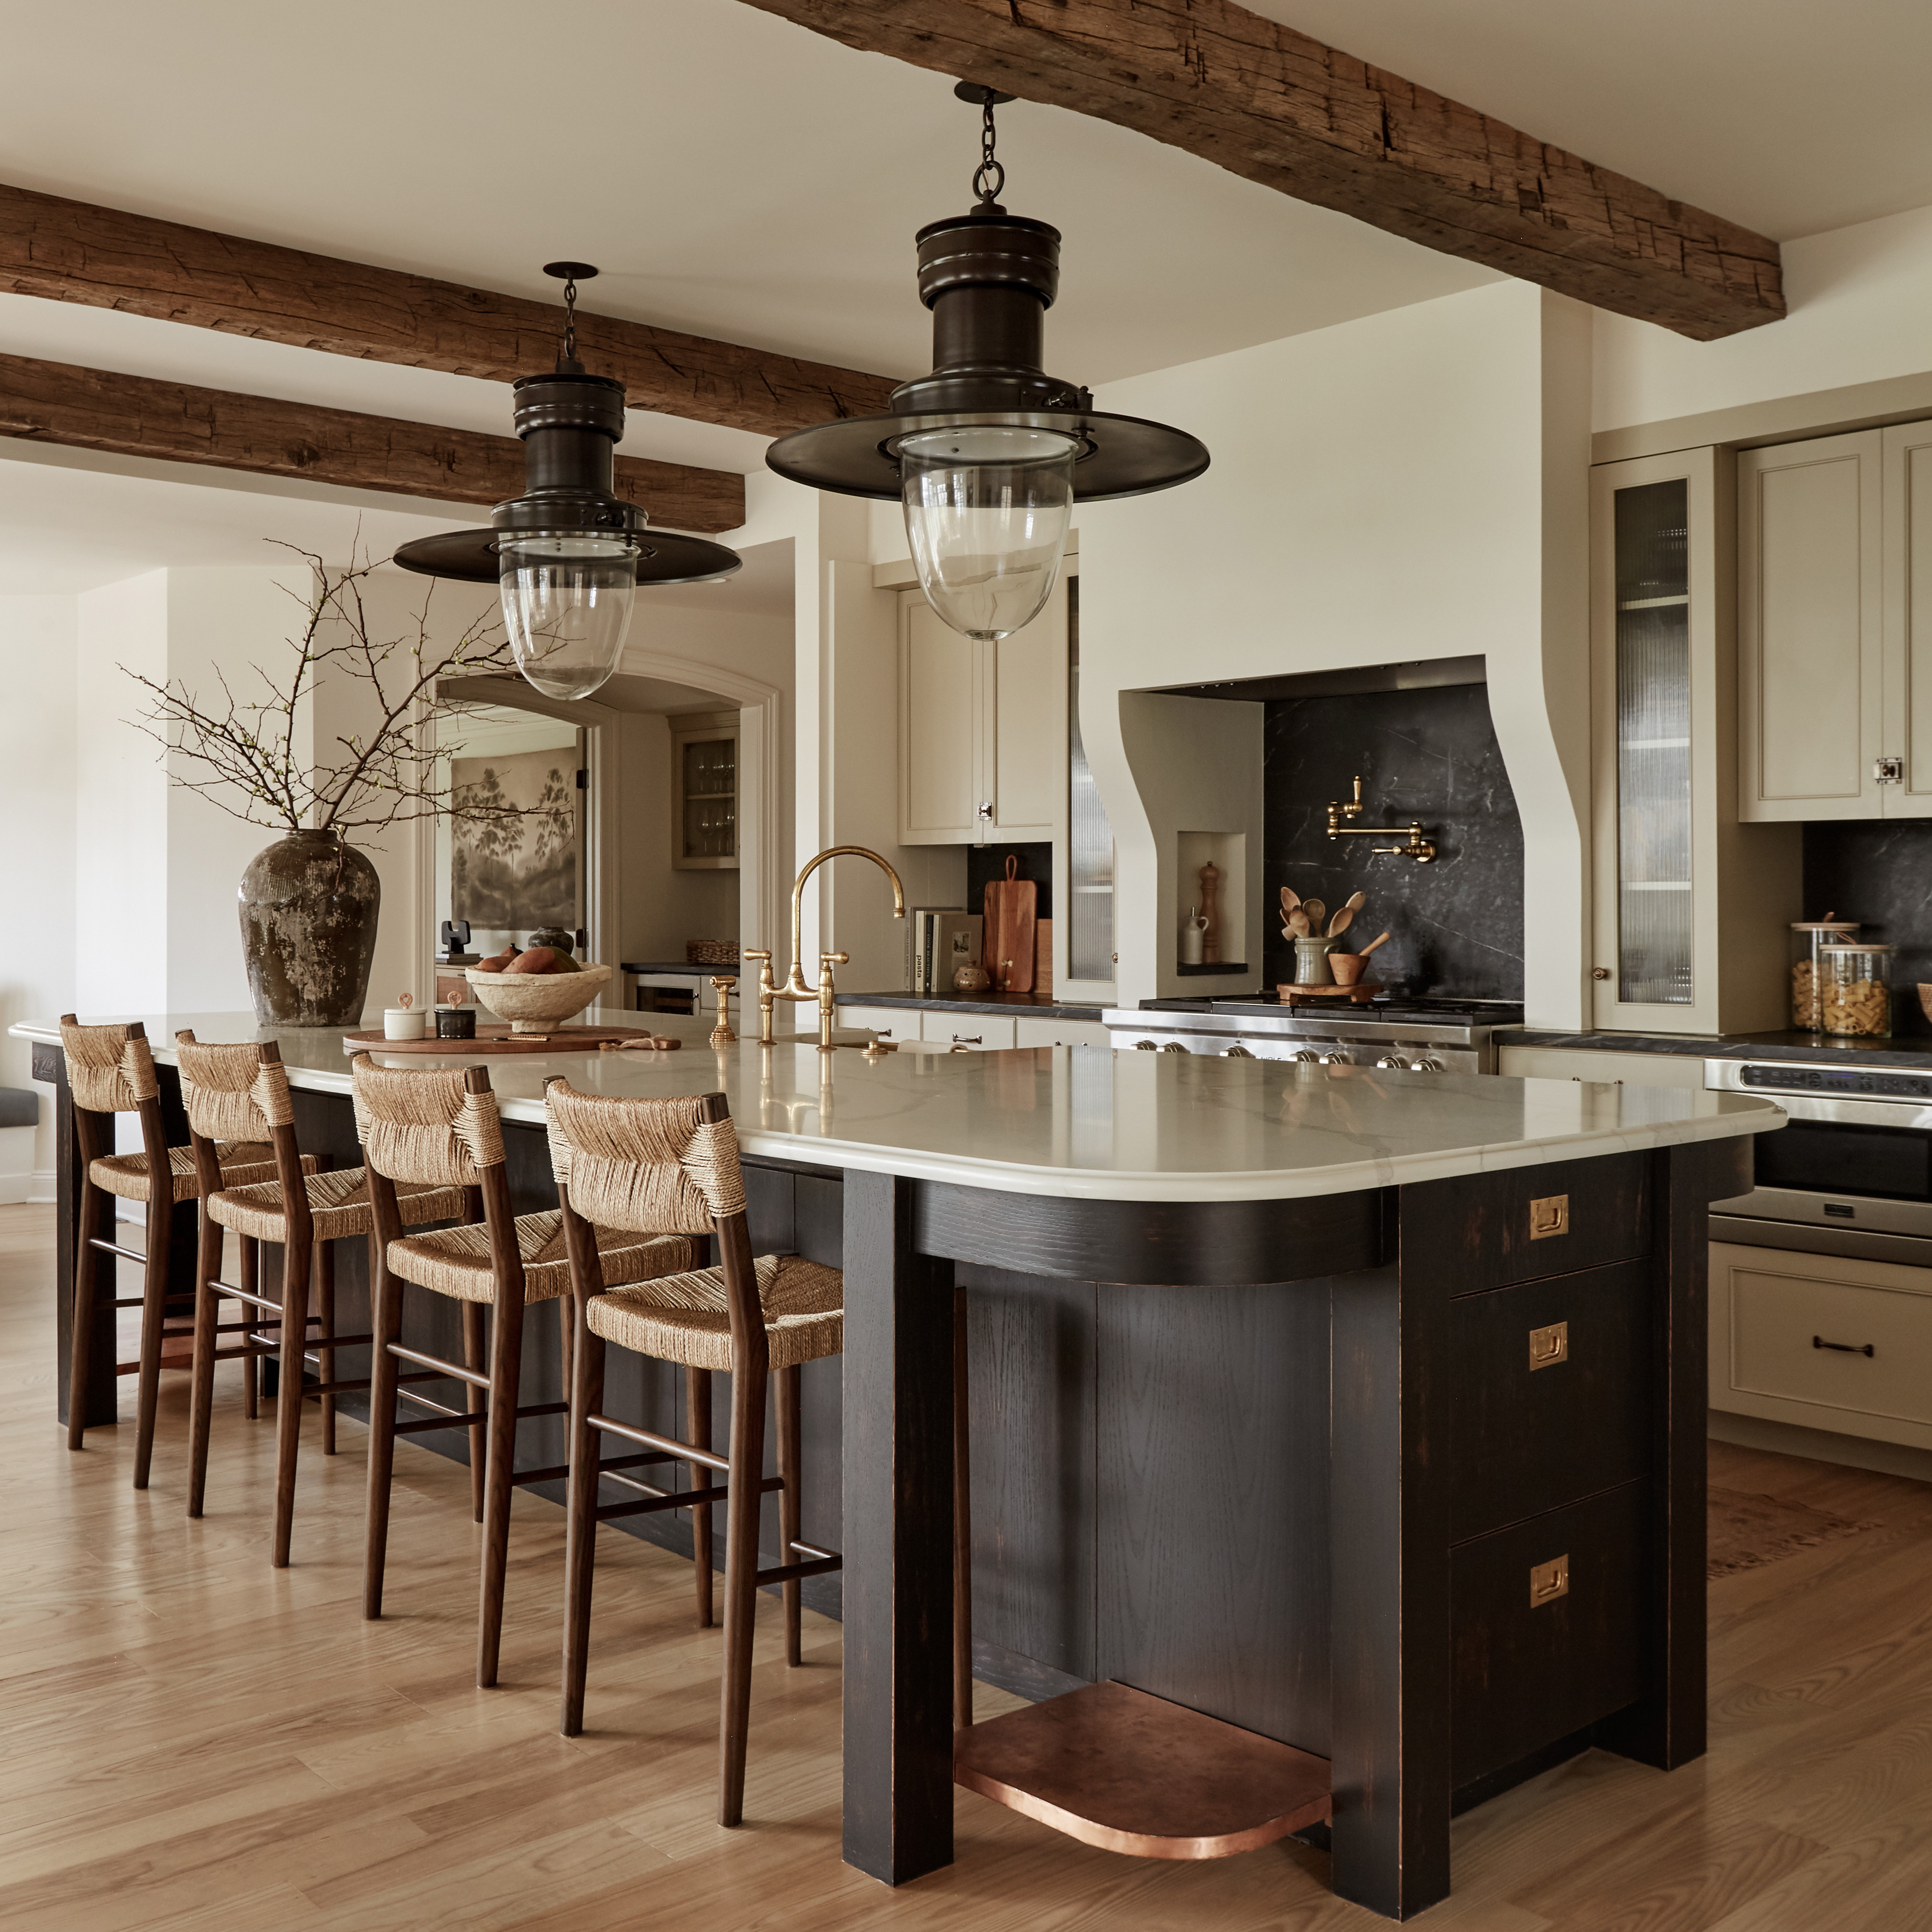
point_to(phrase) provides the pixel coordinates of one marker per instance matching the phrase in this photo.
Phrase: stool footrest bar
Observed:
(473, 1377)
(790, 1573)
(449, 1419)
(682, 1452)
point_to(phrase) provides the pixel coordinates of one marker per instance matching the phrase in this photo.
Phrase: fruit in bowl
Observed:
(536, 999)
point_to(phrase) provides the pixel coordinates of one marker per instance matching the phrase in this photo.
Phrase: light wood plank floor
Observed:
(189, 1738)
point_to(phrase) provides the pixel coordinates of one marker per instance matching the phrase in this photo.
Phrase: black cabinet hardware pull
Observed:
(1843, 1348)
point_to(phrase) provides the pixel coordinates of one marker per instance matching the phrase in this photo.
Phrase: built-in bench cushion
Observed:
(18, 1108)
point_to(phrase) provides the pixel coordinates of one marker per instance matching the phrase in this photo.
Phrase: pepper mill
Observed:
(1210, 934)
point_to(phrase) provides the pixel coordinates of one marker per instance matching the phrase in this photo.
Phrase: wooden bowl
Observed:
(1347, 966)
(537, 1002)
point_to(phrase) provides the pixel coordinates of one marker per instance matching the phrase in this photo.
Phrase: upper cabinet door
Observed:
(1908, 619)
(1029, 701)
(1811, 654)
(940, 747)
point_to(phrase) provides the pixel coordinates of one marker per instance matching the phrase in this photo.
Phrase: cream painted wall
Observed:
(1859, 298)
(1407, 486)
(37, 752)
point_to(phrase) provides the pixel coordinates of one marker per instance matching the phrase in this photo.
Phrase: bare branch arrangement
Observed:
(246, 750)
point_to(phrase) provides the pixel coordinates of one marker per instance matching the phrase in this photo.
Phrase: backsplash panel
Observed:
(1878, 871)
(1456, 925)
(986, 863)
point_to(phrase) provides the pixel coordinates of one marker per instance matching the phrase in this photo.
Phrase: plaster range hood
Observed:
(1418, 674)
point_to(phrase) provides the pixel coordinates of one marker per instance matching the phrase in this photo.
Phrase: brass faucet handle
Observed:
(835, 959)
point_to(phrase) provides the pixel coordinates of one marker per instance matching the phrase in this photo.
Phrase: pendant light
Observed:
(988, 454)
(568, 555)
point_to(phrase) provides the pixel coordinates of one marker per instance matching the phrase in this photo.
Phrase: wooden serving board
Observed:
(1012, 906)
(1362, 989)
(499, 1040)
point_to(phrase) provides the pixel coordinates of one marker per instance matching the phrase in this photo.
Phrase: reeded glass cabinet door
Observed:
(1655, 590)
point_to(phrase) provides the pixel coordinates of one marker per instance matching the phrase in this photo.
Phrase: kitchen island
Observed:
(1364, 1412)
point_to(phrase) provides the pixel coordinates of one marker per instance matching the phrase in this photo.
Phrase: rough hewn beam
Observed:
(130, 415)
(73, 251)
(1265, 102)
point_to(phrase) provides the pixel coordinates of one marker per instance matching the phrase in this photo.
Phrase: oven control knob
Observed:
(1237, 1053)
(1335, 1060)
(1144, 1046)
(1425, 1065)
(1174, 1046)
(1394, 1060)
(1308, 1057)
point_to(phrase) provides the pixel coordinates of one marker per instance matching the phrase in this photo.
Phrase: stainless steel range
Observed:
(1424, 1036)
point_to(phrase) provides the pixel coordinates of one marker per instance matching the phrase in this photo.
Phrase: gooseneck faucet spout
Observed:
(794, 987)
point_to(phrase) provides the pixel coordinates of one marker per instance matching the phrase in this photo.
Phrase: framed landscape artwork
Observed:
(507, 871)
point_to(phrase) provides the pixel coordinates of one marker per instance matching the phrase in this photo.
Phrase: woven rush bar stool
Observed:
(672, 1166)
(110, 1070)
(437, 1128)
(304, 1213)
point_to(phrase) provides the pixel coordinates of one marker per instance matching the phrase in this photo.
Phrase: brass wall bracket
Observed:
(1421, 849)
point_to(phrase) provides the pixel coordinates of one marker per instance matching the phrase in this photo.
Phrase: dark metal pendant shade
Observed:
(989, 278)
(570, 424)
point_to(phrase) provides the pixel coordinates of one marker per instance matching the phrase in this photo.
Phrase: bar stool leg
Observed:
(324, 1307)
(207, 1317)
(741, 1586)
(586, 1398)
(790, 1527)
(154, 1319)
(296, 1262)
(474, 1357)
(698, 1417)
(566, 1341)
(506, 1363)
(386, 1324)
(85, 1289)
(248, 1272)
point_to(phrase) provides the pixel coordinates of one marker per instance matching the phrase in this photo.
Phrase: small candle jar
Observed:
(1808, 937)
(1854, 991)
(456, 1022)
(402, 1023)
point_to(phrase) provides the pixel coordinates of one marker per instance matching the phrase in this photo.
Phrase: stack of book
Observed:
(942, 940)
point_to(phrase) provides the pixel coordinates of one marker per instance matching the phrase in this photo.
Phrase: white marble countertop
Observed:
(1074, 1121)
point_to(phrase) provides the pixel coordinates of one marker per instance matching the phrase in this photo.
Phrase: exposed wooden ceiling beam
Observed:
(73, 251)
(131, 415)
(1266, 102)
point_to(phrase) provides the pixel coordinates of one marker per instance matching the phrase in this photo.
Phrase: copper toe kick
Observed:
(1113, 1767)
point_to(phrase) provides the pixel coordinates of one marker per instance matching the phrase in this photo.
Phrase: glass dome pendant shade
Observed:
(986, 513)
(567, 555)
(988, 454)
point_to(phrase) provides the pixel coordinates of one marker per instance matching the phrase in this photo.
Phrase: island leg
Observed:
(898, 1582)
(1389, 1506)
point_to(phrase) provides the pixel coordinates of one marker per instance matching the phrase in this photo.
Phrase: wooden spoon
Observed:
(1340, 923)
(1372, 944)
(1298, 923)
(1317, 910)
(1290, 899)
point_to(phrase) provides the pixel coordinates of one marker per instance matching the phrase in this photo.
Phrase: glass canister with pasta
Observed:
(1806, 937)
(1854, 989)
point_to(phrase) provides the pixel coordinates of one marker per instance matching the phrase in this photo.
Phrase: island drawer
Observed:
(1484, 1231)
(1546, 1623)
(1552, 1393)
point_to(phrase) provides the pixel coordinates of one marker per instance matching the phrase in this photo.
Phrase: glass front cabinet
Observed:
(704, 791)
(1690, 904)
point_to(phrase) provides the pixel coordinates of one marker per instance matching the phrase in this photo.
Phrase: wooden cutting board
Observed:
(1012, 905)
(499, 1040)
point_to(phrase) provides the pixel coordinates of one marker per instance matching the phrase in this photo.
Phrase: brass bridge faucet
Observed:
(1418, 848)
(794, 987)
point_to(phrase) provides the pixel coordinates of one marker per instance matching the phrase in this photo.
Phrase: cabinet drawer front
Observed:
(1800, 1336)
(1553, 1384)
(979, 1032)
(1060, 1033)
(1524, 1672)
(898, 1024)
(1486, 1230)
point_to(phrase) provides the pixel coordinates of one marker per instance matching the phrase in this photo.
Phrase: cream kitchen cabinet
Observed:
(982, 729)
(1690, 904)
(1060, 1033)
(1623, 1069)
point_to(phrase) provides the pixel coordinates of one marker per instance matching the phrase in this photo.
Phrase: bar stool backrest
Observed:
(438, 1129)
(655, 1167)
(239, 1092)
(110, 1069)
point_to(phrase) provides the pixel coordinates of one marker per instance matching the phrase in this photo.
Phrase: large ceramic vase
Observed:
(309, 906)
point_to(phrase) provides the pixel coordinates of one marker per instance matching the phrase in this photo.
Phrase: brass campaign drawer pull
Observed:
(1843, 1348)
(1548, 1581)
(1549, 1346)
(1549, 1216)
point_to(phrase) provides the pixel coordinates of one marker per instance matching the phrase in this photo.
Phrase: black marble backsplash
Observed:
(1456, 925)
(1878, 871)
(986, 863)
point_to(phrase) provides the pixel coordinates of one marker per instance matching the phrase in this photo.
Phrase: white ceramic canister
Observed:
(402, 1023)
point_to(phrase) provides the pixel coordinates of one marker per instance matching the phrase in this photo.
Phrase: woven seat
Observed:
(455, 1262)
(339, 1202)
(686, 1317)
(243, 1164)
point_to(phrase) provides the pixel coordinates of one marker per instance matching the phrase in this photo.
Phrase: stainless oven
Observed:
(1856, 1160)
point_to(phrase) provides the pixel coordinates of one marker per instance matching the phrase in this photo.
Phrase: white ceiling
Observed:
(739, 177)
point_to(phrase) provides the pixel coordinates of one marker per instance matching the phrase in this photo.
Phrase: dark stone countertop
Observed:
(1911, 1050)
(682, 966)
(1034, 1005)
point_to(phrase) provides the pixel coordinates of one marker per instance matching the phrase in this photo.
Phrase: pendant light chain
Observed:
(570, 319)
(989, 178)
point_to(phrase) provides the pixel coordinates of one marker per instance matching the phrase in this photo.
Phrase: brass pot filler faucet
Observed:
(1418, 848)
(794, 987)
